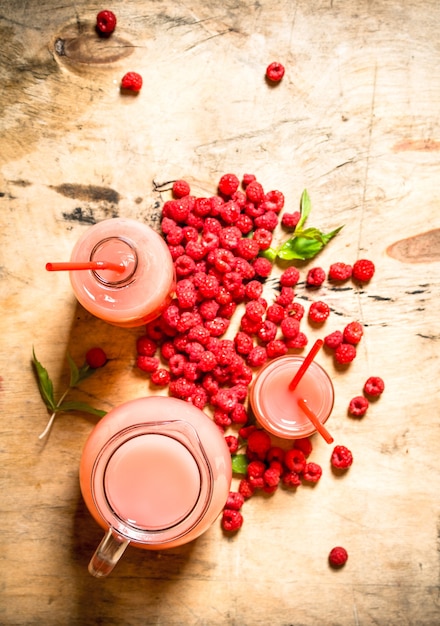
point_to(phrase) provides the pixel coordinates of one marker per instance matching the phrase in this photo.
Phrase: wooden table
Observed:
(355, 121)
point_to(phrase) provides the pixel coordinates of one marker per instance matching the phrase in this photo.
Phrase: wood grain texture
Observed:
(355, 121)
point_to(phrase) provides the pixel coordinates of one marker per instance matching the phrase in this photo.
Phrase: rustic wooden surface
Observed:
(356, 122)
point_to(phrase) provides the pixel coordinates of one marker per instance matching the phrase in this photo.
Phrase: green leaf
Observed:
(80, 406)
(270, 254)
(45, 384)
(326, 238)
(78, 374)
(239, 463)
(305, 208)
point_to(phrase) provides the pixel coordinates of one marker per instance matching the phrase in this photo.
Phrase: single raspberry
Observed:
(345, 353)
(363, 270)
(267, 332)
(190, 233)
(225, 399)
(259, 443)
(296, 310)
(312, 472)
(161, 377)
(167, 350)
(235, 500)
(340, 271)
(289, 277)
(244, 268)
(319, 312)
(334, 339)
(274, 199)
(187, 320)
(374, 386)
(275, 72)
(254, 210)
(199, 333)
(246, 431)
(249, 326)
(212, 225)
(245, 488)
(96, 357)
(276, 348)
(271, 477)
(315, 277)
(286, 296)
(210, 241)
(248, 178)
(105, 22)
(248, 249)
(341, 457)
(230, 212)
(182, 388)
(255, 192)
(181, 188)
(253, 289)
(209, 287)
(218, 326)
(290, 220)
(257, 356)
(267, 221)
(298, 342)
(231, 520)
(176, 363)
(290, 479)
(353, 333)
(338, 556)
(295, 460)
(131, 81)
(255, 311)
(196, 250)
(243, 343)
(202, 207)
(228, 184)
(146, 346)
(244, 223)
(262, 267)
(184, 266)
(275, 313)
(208, 309)
(232, 443)
(275, 454)
(175, 236)
(305, 445)
(255, 469)
(263, 237)
(289, 327)
(191, 371)
(186, 293)
(167, 225)
(176, 251)
(358, 406)
(147, 363)
(239, 414)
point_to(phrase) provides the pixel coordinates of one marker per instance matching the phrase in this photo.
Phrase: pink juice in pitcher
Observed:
(155, 473)
(276, 407)
(140, 292)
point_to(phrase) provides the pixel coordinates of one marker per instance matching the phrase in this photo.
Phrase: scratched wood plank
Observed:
(355, 121)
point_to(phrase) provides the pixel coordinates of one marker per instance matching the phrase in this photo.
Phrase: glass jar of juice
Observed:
(137, 294)
(155, 473)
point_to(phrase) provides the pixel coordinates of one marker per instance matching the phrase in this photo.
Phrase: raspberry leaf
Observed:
(239, 463)
(45, 384)
(305, 208)
(78, 374)
(80, 406)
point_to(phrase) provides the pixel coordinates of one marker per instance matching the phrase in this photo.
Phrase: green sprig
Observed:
(306, 242)
(45, 386)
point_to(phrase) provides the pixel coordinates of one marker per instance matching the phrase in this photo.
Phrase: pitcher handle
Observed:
(107, 554)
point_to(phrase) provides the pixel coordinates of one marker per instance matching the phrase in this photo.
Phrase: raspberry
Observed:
(286, 296)
(262, 267)
(275, 72)
(315, 277)
(146, 346)
(176, 363)
(244, 268)
(225, 400)
(257, 356)
(290, 220)
(271, 477)
(250, 327)
(291, 479)
(208, 309)
(232, 443)
(210, 241)
(338, 556)
(167, 225)
(276, 348)
(295, 460)
(228, 184)
(190, 233)
(232, 520)
(181, 188)
(298, 342)
(363, 270)
(230, 212)
(259, 443)
(244, 223)
(312, 472)
(243, 343)
(345, 353)
(186, 293)
(218, 326)
(305, 445)
(374, 386)
(353, 333)
(255, 469)
(255, 192)
(248, 178)
(199, 334)
(358, 406)
(167, 350)
(263, 237)
(248, 249)
(267, 332)
(341, 457)
(255, 311)
(209, 287)
(245, 488)
(207, 362)
(176, 251)
(296, 310)
(96, 357)
(190, 371)
(253, 290)
(182, 388)
(239, 414)
(289, 327)
(275, 313)
(131, 81)
(340, 271)
(276, 200)
(175, 236)
(196, 250)
(105, 22)
(275, 454)
(289, 277)
(334, 339)
(212, 225)
(268, 221)
(235, 500)
(187, 320)
(161, 377)
(184, 266)
(319, 312)
(147, 363)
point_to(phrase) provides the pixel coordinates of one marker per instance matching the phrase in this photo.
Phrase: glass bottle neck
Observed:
(119, 250)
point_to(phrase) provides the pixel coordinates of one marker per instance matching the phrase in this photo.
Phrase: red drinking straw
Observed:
(322, 430)
(305, 364)
(90, 265)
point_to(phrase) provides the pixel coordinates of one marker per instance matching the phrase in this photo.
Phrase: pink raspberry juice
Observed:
(157, 471)
(276, 407)
(138, 294)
